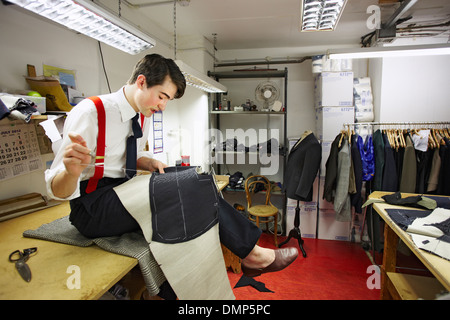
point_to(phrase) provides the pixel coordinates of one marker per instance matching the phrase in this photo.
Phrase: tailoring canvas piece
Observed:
(195, 269)
(194, 265)
(432, 233)
(429, 230)
(137, 205)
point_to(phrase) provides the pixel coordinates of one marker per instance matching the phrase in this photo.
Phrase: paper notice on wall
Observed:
(19, 151)
(158, 139)
(53, 127)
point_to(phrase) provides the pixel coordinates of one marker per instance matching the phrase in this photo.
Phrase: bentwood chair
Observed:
(257, 212)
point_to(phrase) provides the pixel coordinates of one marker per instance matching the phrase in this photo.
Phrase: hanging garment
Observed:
(423, 169)
(378, 150)
(356, 198)
(390, 180)
(367, 157)
(302, 167)
(399, 154)
(444, 175)
(433, 180)
(420, 140)
(409, 168)
(342, 199)
(331, 170)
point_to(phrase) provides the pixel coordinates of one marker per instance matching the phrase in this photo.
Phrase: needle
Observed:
(92, 154)
(123, 169)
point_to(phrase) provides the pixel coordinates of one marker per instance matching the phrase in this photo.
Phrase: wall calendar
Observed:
(19, 150)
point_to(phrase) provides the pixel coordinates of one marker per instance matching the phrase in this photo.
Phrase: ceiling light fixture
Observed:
(91, 20)
(193, 77)
(199, 80)
(321, 15)
(383, 52)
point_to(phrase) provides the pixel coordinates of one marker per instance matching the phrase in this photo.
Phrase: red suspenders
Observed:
(100, 155)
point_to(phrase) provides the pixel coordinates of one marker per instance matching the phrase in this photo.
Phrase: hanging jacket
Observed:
(302, 167)
(342, 199)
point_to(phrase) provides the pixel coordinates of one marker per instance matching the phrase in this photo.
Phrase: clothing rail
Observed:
(426, 123)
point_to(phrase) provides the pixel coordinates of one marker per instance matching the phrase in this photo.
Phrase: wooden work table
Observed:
(402, 286)
(99, 269)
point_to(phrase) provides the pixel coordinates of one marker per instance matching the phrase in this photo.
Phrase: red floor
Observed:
(332, 270)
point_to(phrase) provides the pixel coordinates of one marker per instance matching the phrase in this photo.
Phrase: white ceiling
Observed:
(242, 24)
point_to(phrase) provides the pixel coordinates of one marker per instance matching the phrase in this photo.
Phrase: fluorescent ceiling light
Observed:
(91, 20)
(383, 52)
(321, 15)
(199, 80)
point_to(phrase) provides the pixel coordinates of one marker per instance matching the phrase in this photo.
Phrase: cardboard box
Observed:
(330, 120)
(330, 229)
(308, 220)
(334, 89)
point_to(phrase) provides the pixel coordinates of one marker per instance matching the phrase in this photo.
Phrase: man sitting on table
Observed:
(155, 80)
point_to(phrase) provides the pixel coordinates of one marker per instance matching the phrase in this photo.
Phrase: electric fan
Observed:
(267, 92)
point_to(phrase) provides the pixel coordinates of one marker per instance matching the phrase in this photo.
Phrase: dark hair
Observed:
(155, 68)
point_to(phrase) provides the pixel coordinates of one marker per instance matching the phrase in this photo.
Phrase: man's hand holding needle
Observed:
(76, 157)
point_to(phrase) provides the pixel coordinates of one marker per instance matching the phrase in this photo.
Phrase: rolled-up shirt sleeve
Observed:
(82, 120)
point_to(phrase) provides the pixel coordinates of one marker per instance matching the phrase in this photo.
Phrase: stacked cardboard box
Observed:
(334, 107)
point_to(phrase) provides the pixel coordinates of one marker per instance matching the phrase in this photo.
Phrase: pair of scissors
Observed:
(20, 258)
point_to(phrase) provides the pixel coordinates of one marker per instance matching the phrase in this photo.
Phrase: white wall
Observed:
(414, 89)
(29, 39)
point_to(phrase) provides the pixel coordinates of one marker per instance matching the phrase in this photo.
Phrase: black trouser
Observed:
(101, 214)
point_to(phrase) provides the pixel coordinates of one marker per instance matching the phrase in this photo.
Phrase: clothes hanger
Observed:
(399, 140)
(433, 139)
(446, 133)
(343, 132)
(402, 138)
(394, 140)
(388, 135)
(440, 137)
(436, 139)
(430, 142)
(349, 133)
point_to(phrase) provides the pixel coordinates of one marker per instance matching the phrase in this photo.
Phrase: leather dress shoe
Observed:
(283, 258)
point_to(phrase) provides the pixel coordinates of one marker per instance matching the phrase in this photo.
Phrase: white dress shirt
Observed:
(82, 119)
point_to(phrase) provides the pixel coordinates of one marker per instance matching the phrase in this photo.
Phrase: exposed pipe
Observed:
(151, 4)
(405, 6)
(261, 62)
